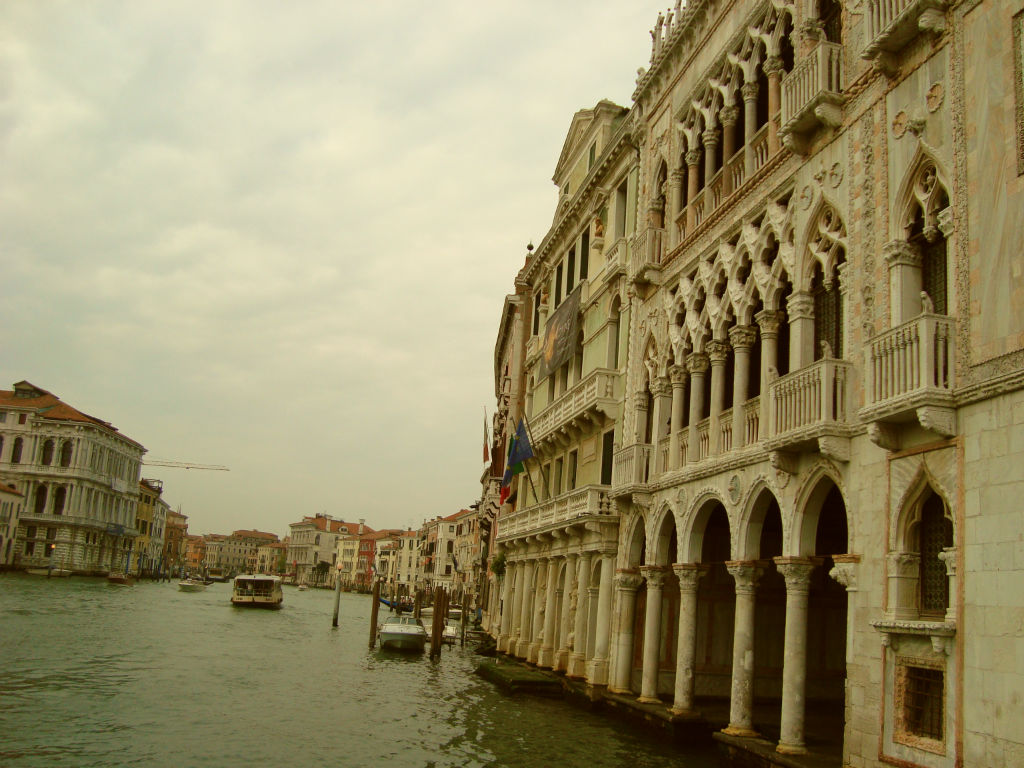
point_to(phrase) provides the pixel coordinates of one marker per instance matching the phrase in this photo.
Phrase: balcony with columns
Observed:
(909, 377)
(894, 23)
(574, 506)
(592, 400)
(647, 252)
(812, 94)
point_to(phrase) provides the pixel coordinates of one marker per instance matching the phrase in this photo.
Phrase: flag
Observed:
(521, 449)
(487, 452)
(511, 470)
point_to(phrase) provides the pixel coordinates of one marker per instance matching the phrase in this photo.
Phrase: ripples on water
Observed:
(95, 675)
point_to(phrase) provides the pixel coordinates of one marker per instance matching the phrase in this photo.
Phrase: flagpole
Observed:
(529, 433)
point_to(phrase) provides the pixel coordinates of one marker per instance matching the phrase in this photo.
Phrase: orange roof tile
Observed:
(49, 406)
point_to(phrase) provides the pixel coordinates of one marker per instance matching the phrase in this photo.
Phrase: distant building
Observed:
(79, 477)
(175, 531)
(11, 502)
(312, 551)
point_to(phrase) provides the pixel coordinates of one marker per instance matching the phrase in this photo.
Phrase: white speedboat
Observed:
(257, 591)
(51, 572)
(450, 633)
(402, 633)
(191, 585)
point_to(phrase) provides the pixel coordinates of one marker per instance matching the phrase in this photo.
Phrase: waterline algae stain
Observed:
(151, 676)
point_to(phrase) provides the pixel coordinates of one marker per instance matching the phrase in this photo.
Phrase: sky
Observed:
(277, 236)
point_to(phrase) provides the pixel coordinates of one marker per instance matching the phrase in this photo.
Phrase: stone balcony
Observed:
(812, 94)
(48, 518)
(891, 24)
(593, 399)
(571, 507)
(632, 467)
(647, 251)
(909, 376)
(809, 409)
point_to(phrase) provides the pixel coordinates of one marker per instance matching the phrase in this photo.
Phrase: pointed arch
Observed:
(925, 188)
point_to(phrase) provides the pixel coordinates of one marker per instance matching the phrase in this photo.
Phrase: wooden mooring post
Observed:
(373, 613)
(337, 599)
(437, 627)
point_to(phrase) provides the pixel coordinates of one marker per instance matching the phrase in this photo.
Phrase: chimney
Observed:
(361, 521)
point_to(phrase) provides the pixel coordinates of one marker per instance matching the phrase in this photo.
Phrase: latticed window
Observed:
(828, 318)
(935, 534)
(933, 273)
(921, 713)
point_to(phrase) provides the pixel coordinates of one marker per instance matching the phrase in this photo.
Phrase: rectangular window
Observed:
(556, 479)
(571, 478)
(30, 532)
(591, 155)
(570, 270)
(536, 314)
(558, 284)
(607, 455)
(620, 210)
(585, 255)
(920, 695)
(22, 417)
(30, 547)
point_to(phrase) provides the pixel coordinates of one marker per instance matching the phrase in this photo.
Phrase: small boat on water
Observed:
(402, 633)
(303, 587)
(50, 572)
(450, 632)
(191, 585)
(257, 591)
(120, 579)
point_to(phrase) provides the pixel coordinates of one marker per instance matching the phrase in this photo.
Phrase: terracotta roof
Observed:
(321, 523)
(49, 406)
(254, 534)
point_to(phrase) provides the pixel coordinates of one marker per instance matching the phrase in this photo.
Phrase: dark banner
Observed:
(560, 335)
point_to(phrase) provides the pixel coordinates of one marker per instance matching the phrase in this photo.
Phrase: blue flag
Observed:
(521, 448)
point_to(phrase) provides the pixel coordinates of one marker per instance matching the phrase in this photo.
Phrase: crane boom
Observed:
(185, 465)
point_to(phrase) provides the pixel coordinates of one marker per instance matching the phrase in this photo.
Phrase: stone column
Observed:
(677, 375)
(697, 365)
(728, 116)
(675, 191)
(655, 576)
(505, 626)
(718, 351)
(692, 187)
(522, 645)
(661, 389)
(578, 657)
(517, 608)
(749, 93)
(742, 338)
(711, 138)
(568, 585)
(546, 657)
(626, 584)
(539, 608)
(640, 410)
(773, 69)
(688, 575)
(904, 262)
(800, 308)
(745, 574)
(797, 572)
(597, 668)
(948, 556)
(769, 322)
(903, 569)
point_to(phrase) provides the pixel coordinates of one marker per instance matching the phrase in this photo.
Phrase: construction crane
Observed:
(184, 465)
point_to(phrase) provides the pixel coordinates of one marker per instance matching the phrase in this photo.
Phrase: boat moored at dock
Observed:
(402, 633)
(257, 591)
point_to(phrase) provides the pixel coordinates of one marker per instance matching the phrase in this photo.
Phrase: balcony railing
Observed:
(760, 147)
(596, 388)
(725, 431)
(812, 92)
(646, 252)
(582, 502)
(809, 403)
(752, 420)
(910, 366)
(48, 518)
(632, 465)
(615, 256)
(893, 23)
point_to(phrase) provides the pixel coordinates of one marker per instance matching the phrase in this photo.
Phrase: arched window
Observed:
(16, 450)
(613, 335)
(934, 534)
(40, 505)
(828, 247)
(65, 453)
(831, 14)
(47, 458)
(60, 496)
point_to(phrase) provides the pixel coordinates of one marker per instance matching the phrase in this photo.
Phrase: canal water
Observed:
(97, 675)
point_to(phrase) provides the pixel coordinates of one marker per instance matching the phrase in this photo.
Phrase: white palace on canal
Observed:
(771, 354)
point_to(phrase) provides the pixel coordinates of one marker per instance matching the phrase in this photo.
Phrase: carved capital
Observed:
(772, 65)
(884, 435)
(688, 575)
(692, 158)
(749, 91)
(945, 221)
(769, 322)
(800, 306)
(900, 253)
(677, 375)
(628, 581)
(728, 115)
(639, 401)
(677, 177)
(742, 336)
(718, 352)
(797, 573)
(697, 363)
(904, 564)
(661, 387)
(746, 574)
(654, 575)
(844, 571)
(948, 556)
(710, 137)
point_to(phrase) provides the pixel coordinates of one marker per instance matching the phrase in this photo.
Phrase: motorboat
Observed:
(191, 585)
(303, 587)
(120, 579)
(49, 572)
(257, 591)
(402, 633)
(450, 632)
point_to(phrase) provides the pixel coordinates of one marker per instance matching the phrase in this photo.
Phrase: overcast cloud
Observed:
(277, 236)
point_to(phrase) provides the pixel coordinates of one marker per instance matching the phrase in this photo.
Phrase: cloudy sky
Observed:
(276, 236)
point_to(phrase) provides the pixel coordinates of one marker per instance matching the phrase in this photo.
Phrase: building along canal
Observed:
(97, 675)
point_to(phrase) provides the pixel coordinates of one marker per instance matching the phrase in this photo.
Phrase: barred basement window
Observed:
(920, 702)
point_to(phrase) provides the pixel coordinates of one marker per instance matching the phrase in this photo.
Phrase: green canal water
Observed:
(96, 675)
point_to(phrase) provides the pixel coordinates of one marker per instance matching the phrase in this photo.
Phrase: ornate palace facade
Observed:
(772, 354)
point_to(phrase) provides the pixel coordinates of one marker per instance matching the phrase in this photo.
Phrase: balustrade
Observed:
(752, 420)
(615, 256)
(812, 397)
(598, 386)
(580, 502)
(715, 190)
(760, 146)
(631, 465)
(816, 81)
(725, 431)
(911, 363)
(703, 439)
(736, 170)
(892, 23)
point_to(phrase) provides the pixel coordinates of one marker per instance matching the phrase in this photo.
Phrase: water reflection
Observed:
(102, 676)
